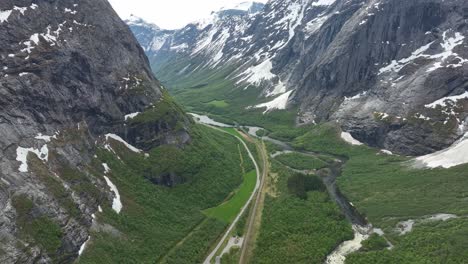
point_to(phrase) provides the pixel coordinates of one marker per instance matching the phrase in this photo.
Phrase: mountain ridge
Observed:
(73, 77)
(320, 53)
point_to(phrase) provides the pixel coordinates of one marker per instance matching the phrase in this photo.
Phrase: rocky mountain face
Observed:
(71, 72)
(392, 72)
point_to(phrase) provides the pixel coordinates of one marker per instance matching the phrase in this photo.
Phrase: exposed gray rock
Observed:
(354, 61)
(71, 70)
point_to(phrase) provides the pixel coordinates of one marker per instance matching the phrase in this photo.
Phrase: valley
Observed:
(375, 220)
(286, 131)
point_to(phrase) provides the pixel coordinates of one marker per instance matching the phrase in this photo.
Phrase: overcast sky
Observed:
(170, 14)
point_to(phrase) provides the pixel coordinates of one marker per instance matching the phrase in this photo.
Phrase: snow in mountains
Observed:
(346, 136)
(22, 156)
(443, 102)
(119, 139)
(323, 2)
(448, 45)
(131, 116)
(138, 21)
(4, 15)
(83, 246)
(453, 156)
(244, 6)
(279, 103)
(116, 203)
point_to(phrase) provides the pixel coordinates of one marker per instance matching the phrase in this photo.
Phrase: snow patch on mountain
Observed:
(278, 103)
(22, 156)
(323, 2)
(443, 102)
(244, 6)
(448, 45)
(453, 156)
(258, 73)
(119, 139)
(138, 21)
(116, 203)
(346, 136)
(4, 15)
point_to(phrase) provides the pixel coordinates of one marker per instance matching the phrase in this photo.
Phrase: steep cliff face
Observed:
(378, 67)
(70, 72)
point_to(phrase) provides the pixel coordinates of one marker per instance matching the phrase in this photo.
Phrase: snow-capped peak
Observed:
(138, 21)
(244, 6)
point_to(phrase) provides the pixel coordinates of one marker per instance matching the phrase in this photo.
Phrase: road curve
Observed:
(257, 186)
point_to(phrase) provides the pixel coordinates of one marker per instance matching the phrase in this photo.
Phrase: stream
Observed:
(362, 229)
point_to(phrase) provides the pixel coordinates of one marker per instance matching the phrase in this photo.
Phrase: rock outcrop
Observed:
(71, 72)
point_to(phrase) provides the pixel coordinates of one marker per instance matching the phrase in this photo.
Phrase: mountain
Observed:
(391, 72)
(73, 80)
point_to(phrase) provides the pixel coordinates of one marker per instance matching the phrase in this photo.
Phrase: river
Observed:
(361, 228)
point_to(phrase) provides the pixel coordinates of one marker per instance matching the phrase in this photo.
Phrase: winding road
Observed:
(361, 228)
(259, 184)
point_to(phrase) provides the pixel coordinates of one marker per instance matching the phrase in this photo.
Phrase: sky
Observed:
(170, 14)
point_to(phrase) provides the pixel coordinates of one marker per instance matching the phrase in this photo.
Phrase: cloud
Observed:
(170, 14)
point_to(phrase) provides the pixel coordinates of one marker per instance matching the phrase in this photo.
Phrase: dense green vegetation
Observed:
(387, 189)
(288, 134)
(41, 230)
(194, 247)
(296, 230)
(155, 219)
(300, 185)
(301, 161)
(210, 91)
(433, 242)
(228, 210)
(374, 242)
(232, 257)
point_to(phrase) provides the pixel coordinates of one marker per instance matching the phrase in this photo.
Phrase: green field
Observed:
(228, 210)
(233, 132)
(220, 104)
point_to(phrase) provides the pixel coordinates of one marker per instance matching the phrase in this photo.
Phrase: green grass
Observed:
(40, 230)
(220, 104)
(228, 210)
(233, 132)
(301, 161)
(296, 230)
(156, 218)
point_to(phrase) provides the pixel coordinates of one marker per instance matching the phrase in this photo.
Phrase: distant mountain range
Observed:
(379, 67)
